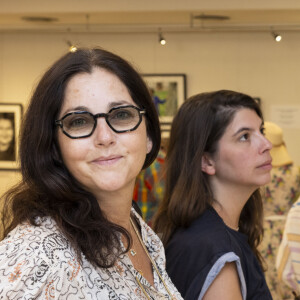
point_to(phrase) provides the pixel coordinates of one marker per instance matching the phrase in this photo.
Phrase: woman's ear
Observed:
(149, 144)
(207, 164)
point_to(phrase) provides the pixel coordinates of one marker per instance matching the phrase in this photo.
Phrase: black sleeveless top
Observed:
(192, 252)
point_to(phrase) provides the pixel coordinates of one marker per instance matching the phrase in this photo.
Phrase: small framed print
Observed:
(165, 128)
(10, 122)
(168, 92)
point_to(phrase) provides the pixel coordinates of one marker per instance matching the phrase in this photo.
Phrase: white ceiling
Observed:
(149, 16)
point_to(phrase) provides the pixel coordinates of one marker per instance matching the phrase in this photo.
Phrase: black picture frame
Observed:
(10, 123)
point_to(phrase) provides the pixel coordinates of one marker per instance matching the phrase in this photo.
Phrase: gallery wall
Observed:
(247, 62)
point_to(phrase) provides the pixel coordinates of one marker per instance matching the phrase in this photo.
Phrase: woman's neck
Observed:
(230, 218)
(116, 206)
(229, 203)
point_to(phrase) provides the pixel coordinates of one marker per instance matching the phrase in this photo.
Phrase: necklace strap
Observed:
(150, 258)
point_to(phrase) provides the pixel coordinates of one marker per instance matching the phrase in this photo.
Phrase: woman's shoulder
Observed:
(27, 243)
(208, 228)
(208, 237)
(192, 252)
(34, 259)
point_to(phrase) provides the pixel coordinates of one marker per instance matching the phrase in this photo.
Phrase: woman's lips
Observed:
(106, 161)
(266, 165)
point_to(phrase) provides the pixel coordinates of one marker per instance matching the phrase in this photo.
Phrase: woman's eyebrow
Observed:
(247, 129)
(77, 108)
(117, 103)
(241, 130)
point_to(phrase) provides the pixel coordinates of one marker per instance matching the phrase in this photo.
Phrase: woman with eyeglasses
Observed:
(70, 229)
(211, 215)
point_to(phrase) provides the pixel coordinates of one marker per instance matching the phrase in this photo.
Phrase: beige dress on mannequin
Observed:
(279, 195)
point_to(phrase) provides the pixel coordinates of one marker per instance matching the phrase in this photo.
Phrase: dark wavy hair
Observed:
(197, 128)
(47, 187)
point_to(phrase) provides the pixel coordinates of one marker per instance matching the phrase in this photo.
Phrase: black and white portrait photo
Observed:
(10, 120)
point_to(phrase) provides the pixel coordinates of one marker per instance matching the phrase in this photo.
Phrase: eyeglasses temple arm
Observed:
(58, 122)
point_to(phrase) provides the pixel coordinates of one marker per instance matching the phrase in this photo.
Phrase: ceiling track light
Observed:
(161, 39)
(277, 37)
(72, 47)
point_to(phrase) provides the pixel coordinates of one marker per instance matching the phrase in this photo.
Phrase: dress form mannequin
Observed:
(279, 195)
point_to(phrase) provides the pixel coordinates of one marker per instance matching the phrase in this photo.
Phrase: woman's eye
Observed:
(78, 122)
(122, 115)
(262, 130)
(244, 137)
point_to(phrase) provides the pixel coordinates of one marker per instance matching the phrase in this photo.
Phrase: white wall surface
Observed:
(247, 62)
(23, 6)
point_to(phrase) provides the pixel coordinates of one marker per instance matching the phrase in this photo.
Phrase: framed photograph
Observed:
(165, 128)
(168, 92)
(10, 122)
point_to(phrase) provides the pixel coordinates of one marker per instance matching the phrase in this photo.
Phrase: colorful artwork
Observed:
(168, 92)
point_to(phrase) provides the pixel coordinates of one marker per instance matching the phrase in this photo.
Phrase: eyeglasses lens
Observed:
(123, 119)
(78, 124)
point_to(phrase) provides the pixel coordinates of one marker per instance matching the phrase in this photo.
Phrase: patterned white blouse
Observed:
(39, 263)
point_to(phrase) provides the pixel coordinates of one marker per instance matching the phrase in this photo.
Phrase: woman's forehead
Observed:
(244, 118)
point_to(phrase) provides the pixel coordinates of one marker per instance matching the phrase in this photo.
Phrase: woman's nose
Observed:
(266, 144)
(104, 135)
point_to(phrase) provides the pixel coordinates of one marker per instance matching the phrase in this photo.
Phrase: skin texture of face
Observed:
(107, 162)
(243, 157)
(6, 134)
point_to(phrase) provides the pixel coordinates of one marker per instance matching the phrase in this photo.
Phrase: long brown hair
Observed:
(47, 187)
(197, 128)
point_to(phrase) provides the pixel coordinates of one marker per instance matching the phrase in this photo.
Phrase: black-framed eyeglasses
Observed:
(81, 124)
